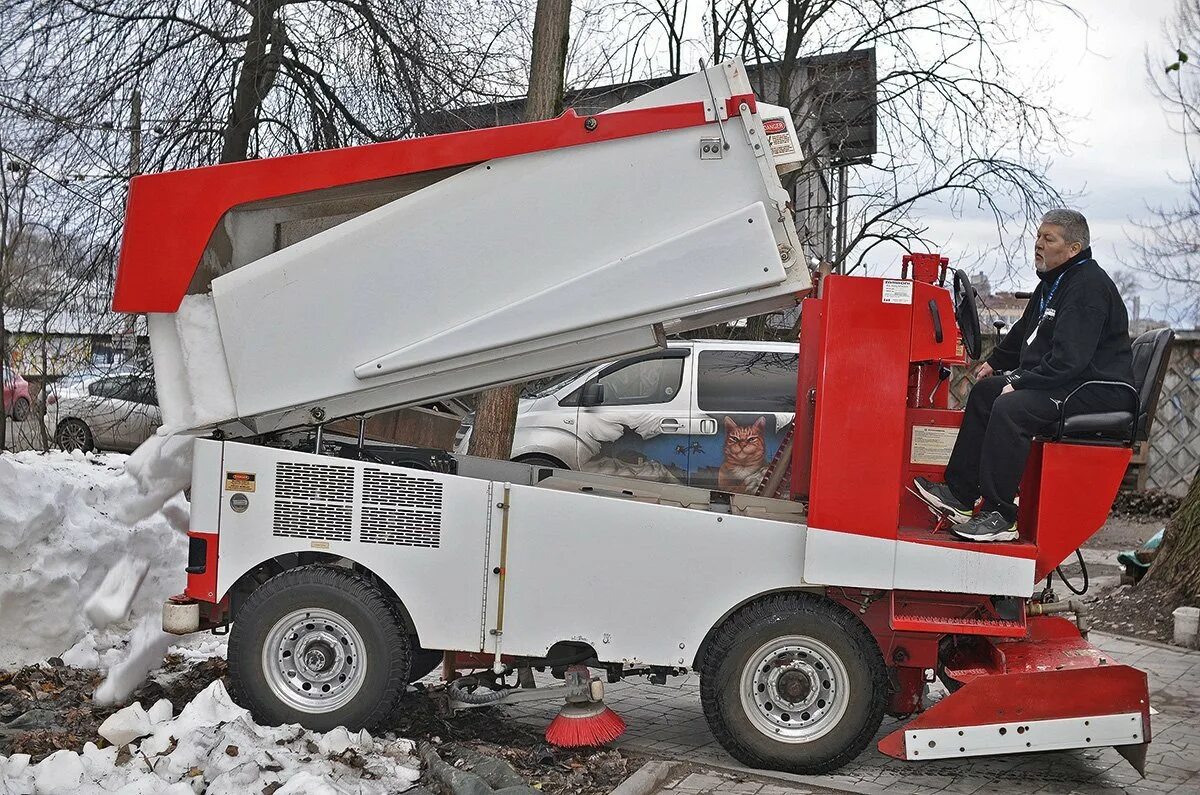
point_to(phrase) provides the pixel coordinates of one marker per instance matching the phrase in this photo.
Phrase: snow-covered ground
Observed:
(214, 746)
(90, 546)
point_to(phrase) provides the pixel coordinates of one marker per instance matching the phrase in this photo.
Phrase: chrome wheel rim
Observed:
(72, 436)
(795, 689)
(314, 660)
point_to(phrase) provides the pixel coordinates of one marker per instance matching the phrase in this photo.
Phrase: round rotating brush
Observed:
(584, 720)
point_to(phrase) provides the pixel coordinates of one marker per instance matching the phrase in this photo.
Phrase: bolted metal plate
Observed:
(710, 148)
(1034, 735)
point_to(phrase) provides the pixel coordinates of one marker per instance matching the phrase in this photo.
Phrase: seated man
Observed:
(1075, 329)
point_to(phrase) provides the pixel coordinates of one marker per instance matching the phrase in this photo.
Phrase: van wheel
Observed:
(794, 682)
(542, 461)
(319, 646)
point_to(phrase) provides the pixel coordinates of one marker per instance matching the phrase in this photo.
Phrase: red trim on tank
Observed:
(170, 217)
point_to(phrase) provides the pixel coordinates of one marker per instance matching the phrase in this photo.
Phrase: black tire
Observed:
(386, 649)
(542, 461)
(830, 629)
(73, 434)
(20, 411)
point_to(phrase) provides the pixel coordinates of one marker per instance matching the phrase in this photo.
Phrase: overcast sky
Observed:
(1124, 152)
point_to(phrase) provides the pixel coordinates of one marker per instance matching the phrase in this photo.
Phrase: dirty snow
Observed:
(214, 746)
(64, 525)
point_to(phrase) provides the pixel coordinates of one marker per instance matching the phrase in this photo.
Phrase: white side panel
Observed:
(924, 567)
(717, 259)
(206, 486)
(308, 502)
(639, 582)
(837, 558)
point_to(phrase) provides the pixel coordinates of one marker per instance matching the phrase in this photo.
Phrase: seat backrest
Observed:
(1151, 354)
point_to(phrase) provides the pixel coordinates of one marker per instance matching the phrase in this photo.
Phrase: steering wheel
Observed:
(966, 314)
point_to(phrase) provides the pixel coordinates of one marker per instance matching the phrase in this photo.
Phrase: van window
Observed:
(639, 384)
(747, 381)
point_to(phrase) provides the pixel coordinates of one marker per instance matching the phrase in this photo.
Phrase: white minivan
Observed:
(706, 413)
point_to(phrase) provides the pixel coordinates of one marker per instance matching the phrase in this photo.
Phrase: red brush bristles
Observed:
(584, 726)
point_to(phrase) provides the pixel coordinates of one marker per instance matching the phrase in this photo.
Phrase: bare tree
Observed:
(957, 126)
(1169, 253)
(496, 410)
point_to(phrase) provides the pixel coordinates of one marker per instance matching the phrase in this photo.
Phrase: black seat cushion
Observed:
(1113, 424)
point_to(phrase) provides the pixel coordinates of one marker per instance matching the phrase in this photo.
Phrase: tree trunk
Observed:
(1177, 564)
(496, 410)
(254, 82)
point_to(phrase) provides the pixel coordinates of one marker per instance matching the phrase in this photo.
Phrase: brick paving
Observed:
(666, 722)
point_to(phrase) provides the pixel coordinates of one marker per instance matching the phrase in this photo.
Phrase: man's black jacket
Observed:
(1080, 334)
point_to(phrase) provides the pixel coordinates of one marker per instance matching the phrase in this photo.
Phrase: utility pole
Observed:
(135, 133)
(496, 411)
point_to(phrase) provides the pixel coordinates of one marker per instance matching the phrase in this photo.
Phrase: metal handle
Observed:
(670, 424)
(1137, 400)
(937, 320)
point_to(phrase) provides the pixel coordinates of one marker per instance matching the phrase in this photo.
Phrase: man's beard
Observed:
(1040, 265)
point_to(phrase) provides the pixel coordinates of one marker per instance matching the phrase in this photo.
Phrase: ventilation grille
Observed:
(314, 482)
(313, 501)
(400, 509)
(312, 520)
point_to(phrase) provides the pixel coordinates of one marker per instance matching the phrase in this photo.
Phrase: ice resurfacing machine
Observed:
(287, 292)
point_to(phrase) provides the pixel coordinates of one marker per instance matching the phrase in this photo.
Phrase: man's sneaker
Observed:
(939, 496)
(986, 526)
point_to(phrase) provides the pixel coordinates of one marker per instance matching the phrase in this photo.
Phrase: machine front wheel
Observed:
(319, 646)
(794, 682)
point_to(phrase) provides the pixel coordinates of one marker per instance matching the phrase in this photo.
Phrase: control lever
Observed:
(943, 374)
(937, 320)
(999, 326)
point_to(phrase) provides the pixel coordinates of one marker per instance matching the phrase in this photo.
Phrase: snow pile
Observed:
(194, 387)
(66, 521)
(214, 746)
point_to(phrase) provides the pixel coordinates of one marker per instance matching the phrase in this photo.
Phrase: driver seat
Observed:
(1151, 354)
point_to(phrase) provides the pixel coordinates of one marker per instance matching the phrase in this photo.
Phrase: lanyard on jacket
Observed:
(1048, 296)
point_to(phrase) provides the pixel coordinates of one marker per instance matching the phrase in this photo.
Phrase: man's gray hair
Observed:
(1074, 225)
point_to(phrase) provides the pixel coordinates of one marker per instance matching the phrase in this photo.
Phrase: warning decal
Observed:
(778, 138)
(239, 481)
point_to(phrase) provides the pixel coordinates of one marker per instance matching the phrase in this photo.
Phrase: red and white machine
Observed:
(454, 262)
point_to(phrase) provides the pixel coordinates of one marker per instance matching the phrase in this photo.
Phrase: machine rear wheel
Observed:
(319, 646)
(20, 411)
(794, 682)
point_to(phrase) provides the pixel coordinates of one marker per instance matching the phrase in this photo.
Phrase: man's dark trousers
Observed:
(997, 431)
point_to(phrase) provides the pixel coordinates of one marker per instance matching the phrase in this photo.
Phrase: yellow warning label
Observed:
(239, 481)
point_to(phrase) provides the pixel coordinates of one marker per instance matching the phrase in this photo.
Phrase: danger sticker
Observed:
(897, 291)
(239, 481)
(778, 138)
